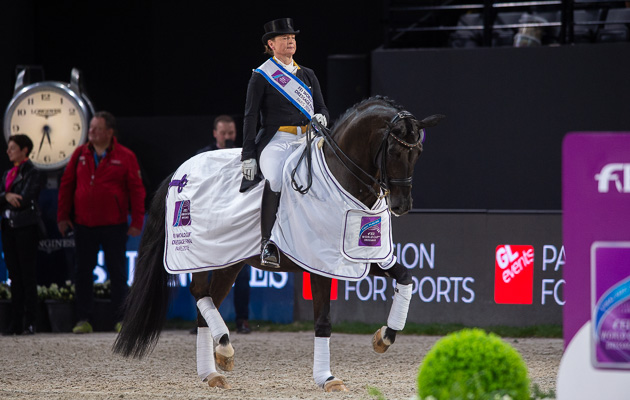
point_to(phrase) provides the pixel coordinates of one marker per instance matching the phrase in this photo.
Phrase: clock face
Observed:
(53, 116)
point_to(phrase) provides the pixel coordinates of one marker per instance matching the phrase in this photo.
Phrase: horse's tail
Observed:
(147, 303)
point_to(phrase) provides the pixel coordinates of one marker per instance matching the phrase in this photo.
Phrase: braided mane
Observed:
(365, 102)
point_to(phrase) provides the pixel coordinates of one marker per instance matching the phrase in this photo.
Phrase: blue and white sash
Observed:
(289, 85)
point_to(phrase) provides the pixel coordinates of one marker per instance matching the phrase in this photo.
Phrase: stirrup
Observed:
(269, 256)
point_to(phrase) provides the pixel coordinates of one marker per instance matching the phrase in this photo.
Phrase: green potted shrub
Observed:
(473, 365)
(59, 300)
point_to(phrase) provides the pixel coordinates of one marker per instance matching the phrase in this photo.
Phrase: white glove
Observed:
(321, 118)
(249, 169)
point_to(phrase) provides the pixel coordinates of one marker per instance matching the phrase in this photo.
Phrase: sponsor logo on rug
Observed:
(182, 213)
(370, 233)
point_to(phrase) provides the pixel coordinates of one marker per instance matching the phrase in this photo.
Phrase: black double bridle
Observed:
(402, 115)
(383, 182)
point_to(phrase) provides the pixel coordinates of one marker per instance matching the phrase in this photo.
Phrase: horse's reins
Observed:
(383, 182)
(306, 153)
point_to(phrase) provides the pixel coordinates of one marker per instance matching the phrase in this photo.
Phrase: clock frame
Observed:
(54, 116)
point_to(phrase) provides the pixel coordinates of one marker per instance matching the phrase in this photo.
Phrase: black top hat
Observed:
(282, 26)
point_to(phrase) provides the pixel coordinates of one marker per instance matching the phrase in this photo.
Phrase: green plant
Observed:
(473, 365)
(5, 291)
(64, 293)
(103, 290)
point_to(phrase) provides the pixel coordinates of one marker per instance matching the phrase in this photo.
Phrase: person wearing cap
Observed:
(282, 98)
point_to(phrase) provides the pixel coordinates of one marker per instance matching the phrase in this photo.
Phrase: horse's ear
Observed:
(432, 120)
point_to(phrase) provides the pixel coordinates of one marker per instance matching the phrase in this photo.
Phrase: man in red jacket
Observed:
(100, 183)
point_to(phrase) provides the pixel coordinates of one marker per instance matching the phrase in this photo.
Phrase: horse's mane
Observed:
(374, 99)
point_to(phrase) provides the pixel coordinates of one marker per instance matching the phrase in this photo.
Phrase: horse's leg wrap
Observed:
(213, 318)
(321, 361)
(205, 356)
(400, 307)
(224, 352)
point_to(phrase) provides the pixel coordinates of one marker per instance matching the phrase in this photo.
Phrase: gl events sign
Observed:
(514, 274)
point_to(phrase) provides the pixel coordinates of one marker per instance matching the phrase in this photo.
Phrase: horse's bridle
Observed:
(402, 115)
(383, 180)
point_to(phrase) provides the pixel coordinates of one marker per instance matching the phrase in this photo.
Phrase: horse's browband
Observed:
(398, 117)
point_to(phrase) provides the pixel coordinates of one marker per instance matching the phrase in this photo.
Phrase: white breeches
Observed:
(275, 154)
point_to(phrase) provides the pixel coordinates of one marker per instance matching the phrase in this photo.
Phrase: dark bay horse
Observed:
(371, 151)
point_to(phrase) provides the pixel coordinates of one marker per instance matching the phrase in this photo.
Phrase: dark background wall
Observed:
(167, 70)
(145, 58)
(507, 110)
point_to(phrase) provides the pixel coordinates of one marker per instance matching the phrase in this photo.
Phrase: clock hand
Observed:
(47, 132)
(45, 129)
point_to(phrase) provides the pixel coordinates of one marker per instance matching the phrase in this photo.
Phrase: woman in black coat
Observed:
(283, 116)
(20, 236)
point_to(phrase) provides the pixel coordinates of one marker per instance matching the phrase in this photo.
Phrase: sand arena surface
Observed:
(268, 366)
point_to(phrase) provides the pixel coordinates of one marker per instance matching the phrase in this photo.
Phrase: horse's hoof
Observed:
(217, 380)
(224, 356)
(380, 342)
(335, 385)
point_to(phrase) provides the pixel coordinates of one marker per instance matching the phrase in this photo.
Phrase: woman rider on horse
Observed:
(282, 97)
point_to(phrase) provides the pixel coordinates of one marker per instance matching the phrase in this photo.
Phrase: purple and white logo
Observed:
(281, 78)
(616, 173)
(610, 269)
(182, 213)
(370, 233)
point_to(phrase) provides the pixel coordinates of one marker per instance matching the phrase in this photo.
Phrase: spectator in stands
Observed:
(20, 232)
(224, 132)
(100, 183)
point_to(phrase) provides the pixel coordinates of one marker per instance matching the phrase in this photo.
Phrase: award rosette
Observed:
(610, 269)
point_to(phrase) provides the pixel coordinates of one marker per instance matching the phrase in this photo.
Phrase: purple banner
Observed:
(596, 208)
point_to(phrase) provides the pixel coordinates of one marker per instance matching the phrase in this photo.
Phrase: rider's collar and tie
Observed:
(292, 68)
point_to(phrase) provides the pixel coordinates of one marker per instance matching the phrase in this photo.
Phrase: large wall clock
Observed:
(54, 115)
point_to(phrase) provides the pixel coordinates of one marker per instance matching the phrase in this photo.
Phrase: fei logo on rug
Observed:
(514, 274)
(370, 232)
(182, 213)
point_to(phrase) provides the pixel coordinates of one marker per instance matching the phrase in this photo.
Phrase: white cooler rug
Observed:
(211, 225)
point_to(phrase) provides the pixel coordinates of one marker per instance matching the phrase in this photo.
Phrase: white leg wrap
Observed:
(400, 307)
(205, 358)
(321, 361)
(213, 318)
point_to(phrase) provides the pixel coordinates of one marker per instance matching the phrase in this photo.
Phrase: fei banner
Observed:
(596, 233)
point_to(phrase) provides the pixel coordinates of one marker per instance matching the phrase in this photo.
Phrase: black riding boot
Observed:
(269, 255)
